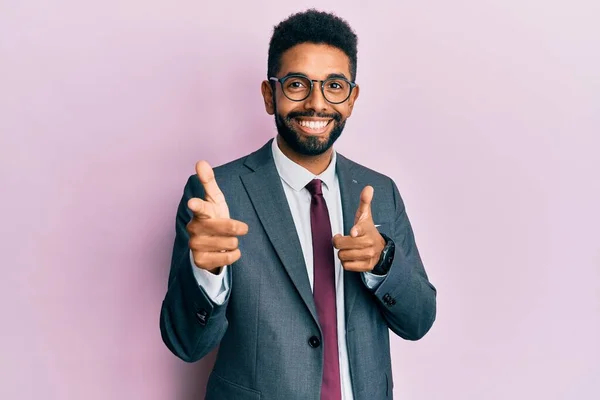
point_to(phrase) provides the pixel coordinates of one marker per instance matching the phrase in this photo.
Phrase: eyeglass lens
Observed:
(335, 90)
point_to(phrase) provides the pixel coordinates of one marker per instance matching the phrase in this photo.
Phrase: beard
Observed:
(311, 145)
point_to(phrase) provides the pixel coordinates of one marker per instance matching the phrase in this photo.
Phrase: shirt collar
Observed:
(296, 176)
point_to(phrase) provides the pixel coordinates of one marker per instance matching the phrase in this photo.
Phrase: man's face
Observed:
(311, 126)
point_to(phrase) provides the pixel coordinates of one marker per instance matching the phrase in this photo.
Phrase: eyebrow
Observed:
(332, 75)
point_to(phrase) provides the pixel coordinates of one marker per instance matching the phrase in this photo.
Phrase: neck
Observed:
(315, 164)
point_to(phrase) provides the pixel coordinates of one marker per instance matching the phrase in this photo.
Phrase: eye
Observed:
(336, 85)
(296, 83)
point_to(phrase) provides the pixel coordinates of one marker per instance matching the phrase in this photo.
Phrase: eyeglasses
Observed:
(296, 87)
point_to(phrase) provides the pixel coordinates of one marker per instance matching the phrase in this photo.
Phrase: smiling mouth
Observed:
(313, 126)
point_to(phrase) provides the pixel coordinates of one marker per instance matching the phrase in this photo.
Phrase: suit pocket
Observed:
(222, 389)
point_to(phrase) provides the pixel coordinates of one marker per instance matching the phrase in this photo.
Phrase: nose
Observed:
(316, 101)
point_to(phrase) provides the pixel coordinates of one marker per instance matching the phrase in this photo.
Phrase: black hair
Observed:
(312, 26)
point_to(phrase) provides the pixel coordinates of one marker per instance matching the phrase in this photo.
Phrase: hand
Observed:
(361, 250)
(213, 235)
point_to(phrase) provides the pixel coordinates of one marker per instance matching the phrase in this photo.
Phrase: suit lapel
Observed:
(265, 190)
(350, 188)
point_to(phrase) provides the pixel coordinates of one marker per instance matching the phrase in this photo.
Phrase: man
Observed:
(294, 259)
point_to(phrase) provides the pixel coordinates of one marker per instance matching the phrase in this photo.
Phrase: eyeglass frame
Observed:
(322, 85)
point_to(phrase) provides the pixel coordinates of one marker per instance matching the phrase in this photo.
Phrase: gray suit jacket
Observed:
(265, 324)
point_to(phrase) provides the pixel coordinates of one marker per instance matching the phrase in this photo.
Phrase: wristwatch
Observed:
(387, 257)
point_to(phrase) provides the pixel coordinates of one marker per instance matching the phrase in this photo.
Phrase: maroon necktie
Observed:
(324, 290)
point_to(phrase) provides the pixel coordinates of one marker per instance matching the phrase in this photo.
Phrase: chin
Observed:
(309, 143)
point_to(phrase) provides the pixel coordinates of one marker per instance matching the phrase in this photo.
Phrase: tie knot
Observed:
(315, 187)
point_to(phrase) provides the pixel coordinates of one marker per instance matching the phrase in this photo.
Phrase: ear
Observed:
(268, 97)
(352, 99)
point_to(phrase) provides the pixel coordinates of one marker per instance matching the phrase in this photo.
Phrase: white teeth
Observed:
(314, 124)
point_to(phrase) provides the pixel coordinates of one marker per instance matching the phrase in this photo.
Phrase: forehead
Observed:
(315, 60)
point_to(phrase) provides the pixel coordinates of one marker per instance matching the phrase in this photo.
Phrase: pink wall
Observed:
(487, 114)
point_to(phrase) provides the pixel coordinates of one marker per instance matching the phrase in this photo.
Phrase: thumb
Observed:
(364, 207)
(200, 208)
(357, 230)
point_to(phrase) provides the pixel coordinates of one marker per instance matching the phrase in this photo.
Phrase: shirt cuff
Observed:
(371, 280)
(216, 286)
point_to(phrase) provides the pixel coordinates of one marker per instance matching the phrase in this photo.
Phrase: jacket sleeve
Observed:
(191, 325)
(406, 297)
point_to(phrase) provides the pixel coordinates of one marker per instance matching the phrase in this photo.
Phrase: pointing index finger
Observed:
(207, 177)
(364, 207)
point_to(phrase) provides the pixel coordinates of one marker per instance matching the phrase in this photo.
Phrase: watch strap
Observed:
(387, 257)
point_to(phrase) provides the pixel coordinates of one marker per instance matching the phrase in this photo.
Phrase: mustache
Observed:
(298, 114)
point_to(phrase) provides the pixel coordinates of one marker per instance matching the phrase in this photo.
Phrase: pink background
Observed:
(486, 113)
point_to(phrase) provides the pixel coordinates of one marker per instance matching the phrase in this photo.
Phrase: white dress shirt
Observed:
(294, 179)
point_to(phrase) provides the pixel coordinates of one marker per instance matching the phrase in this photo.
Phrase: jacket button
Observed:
(314, 342)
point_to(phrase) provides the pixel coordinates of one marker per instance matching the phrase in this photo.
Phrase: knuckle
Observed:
(195, 227)
(231, 227)
(193, 242)
(191, 227)
(199, 259)
(196, 242)
(218, 196)
(232, 257)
